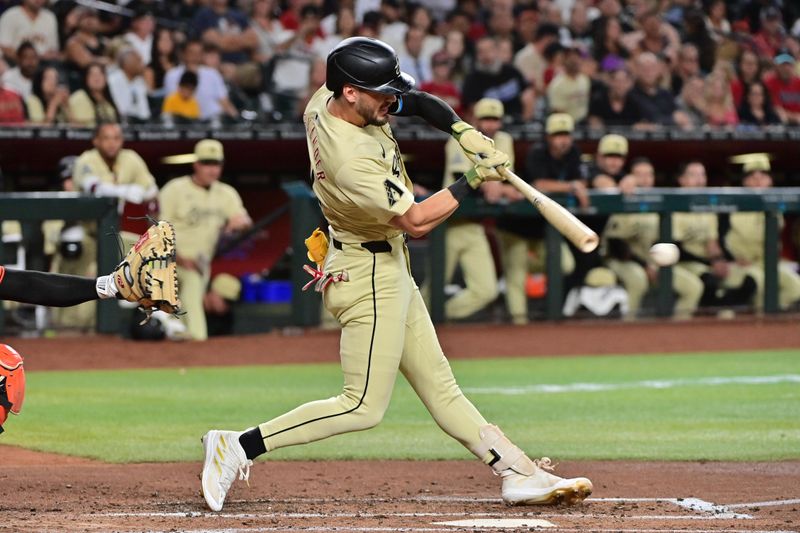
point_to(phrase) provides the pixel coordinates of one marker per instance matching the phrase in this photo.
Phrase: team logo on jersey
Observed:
(391, 189)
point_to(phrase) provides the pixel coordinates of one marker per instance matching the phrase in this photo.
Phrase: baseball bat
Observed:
(565, 222)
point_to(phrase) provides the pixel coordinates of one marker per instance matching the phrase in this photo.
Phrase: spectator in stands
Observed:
(569, 90)
(163, 57)
(411, 58)
(716, 18)
(272, 36)
(692, 100)
(345, 26)
(290, 16)
(784, 88)
(748, 70)
(530, 59)
(770, 38)
(527, 22)
(719, 109)
(492, 79)
(501, 24)
(12, 108)
(441, 84)
(505, 50)
(20, 78)
(48, 103)
(228, 30)
(554, 62)
(688, 66)
(181, 106)
(612, 9)
(655, 36)
(611, 103)
(212, 95)
(85, 47)
(93, 103)
(608, 40)
(394, 27)
(696, 32)
(656, 105)
(420, 17)
(141, 34)
(580, 28)
(455, 46)
(32, 22)
(128, 88)
(756, 108)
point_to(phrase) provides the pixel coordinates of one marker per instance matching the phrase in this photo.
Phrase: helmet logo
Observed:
(397, 69)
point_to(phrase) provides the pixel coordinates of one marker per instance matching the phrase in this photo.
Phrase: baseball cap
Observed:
(227, 286)
(756, 162)
(783, 56)
(209, 150)
(600, 277)
(613, 144)
(559, 123)
(489, 108)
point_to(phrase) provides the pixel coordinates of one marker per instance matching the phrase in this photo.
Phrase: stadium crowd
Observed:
(642, 63)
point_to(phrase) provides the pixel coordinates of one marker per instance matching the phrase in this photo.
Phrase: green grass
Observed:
(159, 415)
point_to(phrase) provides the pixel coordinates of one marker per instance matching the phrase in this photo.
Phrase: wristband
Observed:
(460, 189)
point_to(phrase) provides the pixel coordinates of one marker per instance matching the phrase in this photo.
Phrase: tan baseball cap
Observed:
(489, 108)
(600, 277)
(209, 150)
(559, 123)
(613, 144)
(227, 286)
(755, 163)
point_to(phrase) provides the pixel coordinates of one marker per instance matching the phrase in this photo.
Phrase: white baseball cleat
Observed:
(225, 458)
(543, 488)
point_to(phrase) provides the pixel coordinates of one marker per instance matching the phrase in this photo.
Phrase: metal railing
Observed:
(663, 201)
(72, 207)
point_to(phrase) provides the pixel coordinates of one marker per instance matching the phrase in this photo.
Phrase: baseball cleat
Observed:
(543, 488)
(224, 458)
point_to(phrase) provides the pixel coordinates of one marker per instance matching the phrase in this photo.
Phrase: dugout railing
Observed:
(69, 206)
(664, 201)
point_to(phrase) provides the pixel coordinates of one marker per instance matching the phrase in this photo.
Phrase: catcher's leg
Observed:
(57, 290)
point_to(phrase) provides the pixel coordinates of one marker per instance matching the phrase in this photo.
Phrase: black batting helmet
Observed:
(368, 64)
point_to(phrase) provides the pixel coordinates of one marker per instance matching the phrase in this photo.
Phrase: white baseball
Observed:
(664, 253)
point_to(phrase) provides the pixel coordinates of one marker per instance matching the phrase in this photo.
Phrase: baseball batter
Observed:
(365, 194)
(466, 244)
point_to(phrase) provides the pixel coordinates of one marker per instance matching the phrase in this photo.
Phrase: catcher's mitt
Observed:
(148, 274)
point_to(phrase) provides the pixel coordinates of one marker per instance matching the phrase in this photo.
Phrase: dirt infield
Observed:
(44, 492)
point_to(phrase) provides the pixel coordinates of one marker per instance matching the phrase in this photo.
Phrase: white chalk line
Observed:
(646, 384)
(298, 516)
(450, 529)
(770, 503)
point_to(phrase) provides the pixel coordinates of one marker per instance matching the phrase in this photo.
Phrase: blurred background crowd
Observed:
(645, 63)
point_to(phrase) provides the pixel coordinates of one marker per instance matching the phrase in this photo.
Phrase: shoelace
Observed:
(244, 471)
(545, 464)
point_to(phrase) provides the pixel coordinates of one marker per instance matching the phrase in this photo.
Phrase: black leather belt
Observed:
(376, 247)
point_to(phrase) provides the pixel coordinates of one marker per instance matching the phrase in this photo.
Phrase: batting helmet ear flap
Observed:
(12, 382)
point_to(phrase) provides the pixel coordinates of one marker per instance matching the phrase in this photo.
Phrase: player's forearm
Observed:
(432, 109)
(422, 217)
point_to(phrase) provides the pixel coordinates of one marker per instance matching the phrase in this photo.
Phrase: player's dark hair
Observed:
(102, 124)
(685, 166)
(546, 30)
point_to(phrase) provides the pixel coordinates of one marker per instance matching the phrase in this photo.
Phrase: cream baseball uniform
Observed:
(466, 243)
(693, 231)
(198, 215)
(361, 184)
(640, 232)
(745, 241)
(128, 169)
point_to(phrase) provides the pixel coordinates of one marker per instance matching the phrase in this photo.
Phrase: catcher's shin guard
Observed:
(12, 382)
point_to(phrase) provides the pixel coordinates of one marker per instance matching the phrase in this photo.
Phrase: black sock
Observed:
(253, 443)
(45, 288)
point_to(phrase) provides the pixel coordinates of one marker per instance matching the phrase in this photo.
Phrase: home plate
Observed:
(498, 522)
